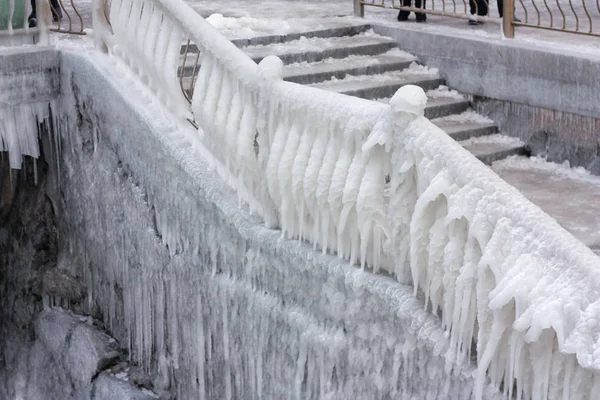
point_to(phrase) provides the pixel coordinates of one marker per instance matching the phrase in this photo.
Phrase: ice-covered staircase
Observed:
(355, 61)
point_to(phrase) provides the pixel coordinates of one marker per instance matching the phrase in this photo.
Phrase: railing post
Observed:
(359, 8)
(508, 18)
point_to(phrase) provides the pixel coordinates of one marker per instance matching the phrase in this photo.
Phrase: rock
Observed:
(90, 351)
(108, 387)
(53, 327)
(60, 283)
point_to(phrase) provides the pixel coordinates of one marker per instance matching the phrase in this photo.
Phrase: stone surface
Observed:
(90, 351)
(108, 387)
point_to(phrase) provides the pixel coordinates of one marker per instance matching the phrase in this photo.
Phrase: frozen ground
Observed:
(570, 195)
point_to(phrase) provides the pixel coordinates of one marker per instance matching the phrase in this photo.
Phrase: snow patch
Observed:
(468, 116)
(444, 92)
(352, 59)
(414, 70)
(493, 139)
(247, 26)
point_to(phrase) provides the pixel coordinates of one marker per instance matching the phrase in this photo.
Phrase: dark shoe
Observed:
(517, 19)
(422, 17)
(473, 22)
(32, 22)
(403, 16)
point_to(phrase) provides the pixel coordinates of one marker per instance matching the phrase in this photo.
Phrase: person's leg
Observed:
(421, 17)
(482, 7)
(500, 7)
(473, 9)
(32, 20)
(56, 10)
(403, 15)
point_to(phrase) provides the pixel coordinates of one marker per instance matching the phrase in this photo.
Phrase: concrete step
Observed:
(494, 147)
(381, 85)
(307, 73)
(466, 125)
(289, 37)
(331, 32)
(317, 49)
(438, 107)
(442, 107)
(568, 195)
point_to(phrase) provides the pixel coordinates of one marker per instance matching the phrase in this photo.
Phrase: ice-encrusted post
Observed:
(407, 104)
(102, 30)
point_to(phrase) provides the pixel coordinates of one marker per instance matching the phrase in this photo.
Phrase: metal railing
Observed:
(572, 16)
(67, 16)
(467, 9)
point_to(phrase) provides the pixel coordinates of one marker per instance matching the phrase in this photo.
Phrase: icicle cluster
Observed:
(19, 130)
(500, 270)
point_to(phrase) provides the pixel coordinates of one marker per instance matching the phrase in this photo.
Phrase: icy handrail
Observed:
(497, 267)
(270, 138)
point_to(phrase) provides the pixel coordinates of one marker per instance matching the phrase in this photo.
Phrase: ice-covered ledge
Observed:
(209, 299)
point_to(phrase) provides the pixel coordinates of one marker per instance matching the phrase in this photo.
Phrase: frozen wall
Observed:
(208, 300)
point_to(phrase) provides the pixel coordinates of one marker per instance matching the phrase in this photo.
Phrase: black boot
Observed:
(403, 15)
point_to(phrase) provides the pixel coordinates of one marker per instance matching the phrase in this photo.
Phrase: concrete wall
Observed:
(530, 92)
(209, 301)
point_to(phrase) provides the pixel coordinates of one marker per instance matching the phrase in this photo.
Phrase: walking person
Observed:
(403, 14)
(56, 12)
(479, 11)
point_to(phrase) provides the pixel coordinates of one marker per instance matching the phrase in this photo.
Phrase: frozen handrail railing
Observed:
(317, 165)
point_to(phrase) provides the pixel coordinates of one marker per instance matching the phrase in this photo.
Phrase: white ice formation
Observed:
(314, 163)
(500, 272)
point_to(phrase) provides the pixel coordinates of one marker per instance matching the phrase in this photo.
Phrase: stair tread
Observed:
(316, 45)
(494, 147)
(452, 128)
(354, 83)
(465, 125)
(394, 56)
(543, 183)
(492, 144)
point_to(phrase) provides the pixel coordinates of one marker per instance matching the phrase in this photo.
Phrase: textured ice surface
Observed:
(496, 268)
(212, 300)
